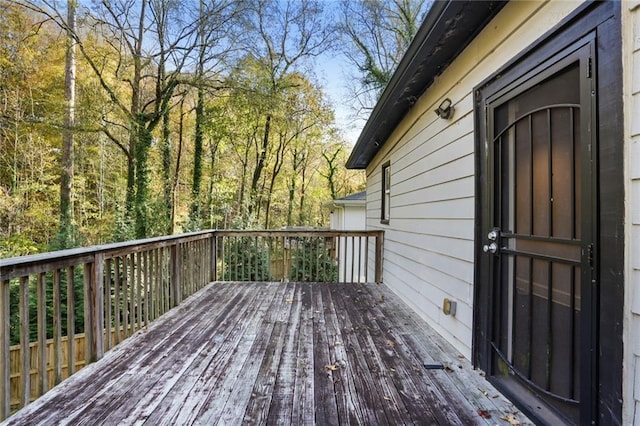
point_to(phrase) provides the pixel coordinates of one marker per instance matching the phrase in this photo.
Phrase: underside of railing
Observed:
(61, 310)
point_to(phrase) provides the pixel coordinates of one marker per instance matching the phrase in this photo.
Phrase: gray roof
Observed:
(356, 198)
(448, 28)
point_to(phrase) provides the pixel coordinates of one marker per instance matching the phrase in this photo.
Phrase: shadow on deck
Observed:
(279, 353)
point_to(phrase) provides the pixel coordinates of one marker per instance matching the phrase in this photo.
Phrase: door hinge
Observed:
(589, 67)
(590, 254)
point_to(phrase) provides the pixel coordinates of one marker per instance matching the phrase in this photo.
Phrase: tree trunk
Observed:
(139, 141)
(67, 231)
(142, 180)
(262, 158)
(176, 174)
(197, 159)
(194, 213)
(166, 171)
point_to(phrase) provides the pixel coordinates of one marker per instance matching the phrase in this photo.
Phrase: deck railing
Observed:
(98, 296)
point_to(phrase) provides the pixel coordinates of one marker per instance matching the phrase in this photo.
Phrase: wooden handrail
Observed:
(126, 285)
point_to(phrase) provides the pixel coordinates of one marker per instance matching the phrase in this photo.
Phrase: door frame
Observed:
(604, 402)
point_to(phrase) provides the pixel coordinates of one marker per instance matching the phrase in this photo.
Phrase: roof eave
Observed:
(446, 31)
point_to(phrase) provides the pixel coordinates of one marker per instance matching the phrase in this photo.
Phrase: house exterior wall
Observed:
(429, 240)
(631, 43)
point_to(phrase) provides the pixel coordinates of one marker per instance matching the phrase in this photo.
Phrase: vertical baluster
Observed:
(218, 266)
(117, 312)
(139, 269)
(360, 258)
(25, 353)
(107, 304)
(344, 257)
(286, 257)
(57, 328)
(132, 293)
(316, 256)
(176, 267)
(147, 286)
(162, 277)
(153, 283)
(5, 360)
(213, 258)
(250, 251)
(42, 332)
(237, 243)
(126, 291)
(166, 277)
(302, 272)
(338, 254)
(366, 259)
(378, 258)
(71, 322)
(353, 257)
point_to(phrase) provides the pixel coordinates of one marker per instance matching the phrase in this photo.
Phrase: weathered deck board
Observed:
(277, 353)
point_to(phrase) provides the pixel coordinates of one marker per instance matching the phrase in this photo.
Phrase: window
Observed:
(385, 209)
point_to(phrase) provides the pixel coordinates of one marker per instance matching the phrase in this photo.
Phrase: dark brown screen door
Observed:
(538, 236)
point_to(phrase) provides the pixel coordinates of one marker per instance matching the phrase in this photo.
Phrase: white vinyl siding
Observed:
(429, 242)
(631, 43)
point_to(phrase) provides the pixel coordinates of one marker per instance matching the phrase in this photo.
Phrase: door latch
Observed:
(492, 236)
(490, 248)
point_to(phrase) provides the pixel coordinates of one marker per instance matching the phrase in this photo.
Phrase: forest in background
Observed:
(128, 119)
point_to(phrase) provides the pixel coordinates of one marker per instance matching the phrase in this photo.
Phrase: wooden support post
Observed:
(88, 329)
(94, 308)
(379, 257)
(98, 303)
(5, 373)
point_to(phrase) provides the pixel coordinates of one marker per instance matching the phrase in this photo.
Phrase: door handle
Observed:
(490, 248)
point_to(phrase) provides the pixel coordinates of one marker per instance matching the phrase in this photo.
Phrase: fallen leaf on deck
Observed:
(484, 414)
(331, 367)
(511, 419)
(337, 344)
(390, 343)
(387, 398)
(289, 300)
(380, 299)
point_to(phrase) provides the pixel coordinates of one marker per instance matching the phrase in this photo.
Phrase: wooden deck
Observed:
(274, 353)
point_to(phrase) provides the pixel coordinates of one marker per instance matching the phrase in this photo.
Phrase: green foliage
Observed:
(246, 259)
(14, 301)
(152, 171)
(18, 245)
(312, 262)
(124, 228)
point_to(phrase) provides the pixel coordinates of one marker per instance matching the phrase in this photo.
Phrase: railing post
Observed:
(94, 308)
(5, 373)
(98, 303)
(378, 272)
(176, 265)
